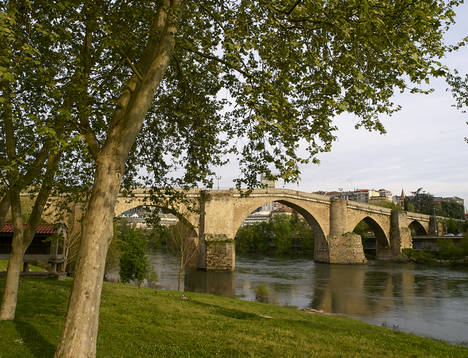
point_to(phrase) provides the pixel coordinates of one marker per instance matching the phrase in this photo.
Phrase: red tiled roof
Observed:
(41, 229)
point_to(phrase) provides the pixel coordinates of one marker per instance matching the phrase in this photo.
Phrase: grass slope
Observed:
(147, 323)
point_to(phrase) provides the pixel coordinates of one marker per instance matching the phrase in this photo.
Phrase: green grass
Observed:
(147, 323)
(4, 264)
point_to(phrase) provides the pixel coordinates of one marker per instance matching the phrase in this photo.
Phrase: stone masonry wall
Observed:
(219, 253)
(346, 249)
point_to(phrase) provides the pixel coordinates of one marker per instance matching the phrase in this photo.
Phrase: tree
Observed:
(33, 134)
(255, 238)
(362, 229)
(181, 243)
(134, 265)
(459, 86)
(451, 226)
(422, 202)
(451, 209)
(271, 73)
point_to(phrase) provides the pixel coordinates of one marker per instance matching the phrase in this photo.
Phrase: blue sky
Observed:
(423, 147)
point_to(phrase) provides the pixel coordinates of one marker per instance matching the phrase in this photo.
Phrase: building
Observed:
(271, 184)
(138, 216)
(256, 218)
(360, 195)
(44, 247)
(266, 212)
(365, 195)
(400, 200)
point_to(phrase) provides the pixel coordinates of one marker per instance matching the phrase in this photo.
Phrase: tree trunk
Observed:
(4, 207)
(23, 236)
(181, 270)
(81, 326)
(10, 295)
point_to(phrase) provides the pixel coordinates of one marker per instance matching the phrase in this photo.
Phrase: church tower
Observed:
(402, 199)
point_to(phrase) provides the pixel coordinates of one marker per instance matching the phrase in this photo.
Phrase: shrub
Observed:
(134, 264)
(448, 250)
(261, 293)
(422, 257)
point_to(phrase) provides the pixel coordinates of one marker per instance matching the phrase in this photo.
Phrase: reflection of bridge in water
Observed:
(361, 290)
(221, 213)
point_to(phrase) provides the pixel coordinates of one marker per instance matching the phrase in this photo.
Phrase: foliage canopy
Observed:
(270, 74)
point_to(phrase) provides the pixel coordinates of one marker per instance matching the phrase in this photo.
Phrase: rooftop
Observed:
(45, 229)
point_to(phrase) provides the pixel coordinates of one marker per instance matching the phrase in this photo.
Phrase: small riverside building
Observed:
(44, 247)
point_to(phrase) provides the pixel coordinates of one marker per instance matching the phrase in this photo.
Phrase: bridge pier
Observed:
(344, 247)
(400, 234)
(220, 253)
(217, 250)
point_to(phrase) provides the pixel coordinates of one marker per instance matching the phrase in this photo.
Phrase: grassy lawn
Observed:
(4, 264)
(147, 323)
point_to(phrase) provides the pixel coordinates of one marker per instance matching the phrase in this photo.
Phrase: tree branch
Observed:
(138, 95)
(293, 7)
(217, 59)
(41, 199)
(82, 103)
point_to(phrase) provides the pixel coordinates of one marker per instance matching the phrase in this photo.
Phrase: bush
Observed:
(261, 293)
(464, 244)
(422, 257)
(134, 264)
(448, 250)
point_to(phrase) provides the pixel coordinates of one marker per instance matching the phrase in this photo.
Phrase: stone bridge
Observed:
(221, 212)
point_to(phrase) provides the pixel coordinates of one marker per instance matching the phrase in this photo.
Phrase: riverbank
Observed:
(147, 323)
(432, 258)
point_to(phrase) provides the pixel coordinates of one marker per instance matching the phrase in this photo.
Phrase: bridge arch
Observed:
(190, 220)
(313, 217)
(417, 228)
(382, 242)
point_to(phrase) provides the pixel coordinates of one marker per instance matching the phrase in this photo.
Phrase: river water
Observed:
(427, 301)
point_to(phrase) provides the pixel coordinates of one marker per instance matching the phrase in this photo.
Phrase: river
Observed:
(427, 301)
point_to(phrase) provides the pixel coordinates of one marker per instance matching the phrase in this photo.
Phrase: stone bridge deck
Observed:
(220, 214)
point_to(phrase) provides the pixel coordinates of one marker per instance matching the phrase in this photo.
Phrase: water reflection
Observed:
(423, 300)
(215, 283)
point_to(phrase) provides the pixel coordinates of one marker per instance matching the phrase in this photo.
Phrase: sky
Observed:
(424, 145)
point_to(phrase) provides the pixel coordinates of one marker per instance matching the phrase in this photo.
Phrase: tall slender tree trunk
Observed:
(23, 237)
(81, 325)
(181, 271)
(10, 295)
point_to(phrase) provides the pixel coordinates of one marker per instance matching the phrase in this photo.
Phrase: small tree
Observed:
(180, 243)
(134, 264)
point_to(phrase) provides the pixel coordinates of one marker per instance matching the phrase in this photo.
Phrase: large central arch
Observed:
(321, 249)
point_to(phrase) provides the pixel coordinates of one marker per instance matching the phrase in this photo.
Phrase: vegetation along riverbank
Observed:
(447, 253)
(140, 322)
